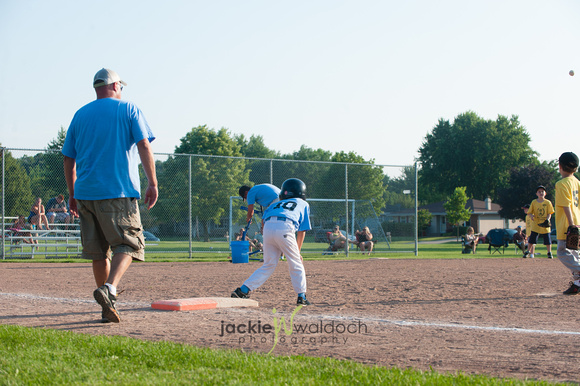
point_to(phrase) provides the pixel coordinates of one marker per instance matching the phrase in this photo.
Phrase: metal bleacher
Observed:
(60, 241)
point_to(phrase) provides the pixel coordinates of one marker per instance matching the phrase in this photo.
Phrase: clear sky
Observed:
(372, 77)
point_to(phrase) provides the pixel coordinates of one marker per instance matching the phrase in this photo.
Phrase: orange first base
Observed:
(185, 304)
(202, 303)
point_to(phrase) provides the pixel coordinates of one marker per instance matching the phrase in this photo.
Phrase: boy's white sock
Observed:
(112, 289)
(531, 255)
(577, 282)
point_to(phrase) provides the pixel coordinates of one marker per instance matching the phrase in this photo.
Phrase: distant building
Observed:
(484, 216)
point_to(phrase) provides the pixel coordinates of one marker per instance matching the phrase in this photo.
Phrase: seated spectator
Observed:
(238, 235)
(337, 239)
(258, 240)
(471, 239)
(364, 240)
(255, 244)
(56, 209)
(520, 239)
(18, 228)
(38, 214)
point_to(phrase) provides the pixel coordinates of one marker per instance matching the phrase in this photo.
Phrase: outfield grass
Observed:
(172, 251)
(38, 356)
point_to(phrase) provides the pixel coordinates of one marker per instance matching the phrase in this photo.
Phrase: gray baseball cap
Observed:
(105, 76)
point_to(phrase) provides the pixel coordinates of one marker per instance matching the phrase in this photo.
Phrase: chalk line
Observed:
(335, 317)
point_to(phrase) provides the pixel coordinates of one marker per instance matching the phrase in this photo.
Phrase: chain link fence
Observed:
(199, 211)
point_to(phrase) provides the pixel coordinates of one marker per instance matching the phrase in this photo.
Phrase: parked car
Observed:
(150, 236)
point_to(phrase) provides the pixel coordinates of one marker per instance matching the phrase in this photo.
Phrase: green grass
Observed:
(38, 356)
(172, 251)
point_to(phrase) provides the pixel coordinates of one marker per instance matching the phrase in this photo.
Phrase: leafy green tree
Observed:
(255, 147)
(57, 143)
(455, 209)
(365, 182)
(214, 179)
(45, 169)
(308, 154)
(423, 219)
(310, 173)
(394, 195)
(398, 200)
(18, 197)
(521, 188)
(472, 152)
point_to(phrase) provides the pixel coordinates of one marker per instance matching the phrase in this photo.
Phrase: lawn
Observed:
(429, 248)
(37, 356)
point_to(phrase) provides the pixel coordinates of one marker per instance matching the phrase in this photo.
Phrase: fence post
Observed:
(231, 224)
(3, 196)
(190, 211)
(416, 211)
(353, 217)
(346, 205)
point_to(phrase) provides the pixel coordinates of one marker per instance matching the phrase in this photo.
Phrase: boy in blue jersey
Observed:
(263, 195)
(285, 224)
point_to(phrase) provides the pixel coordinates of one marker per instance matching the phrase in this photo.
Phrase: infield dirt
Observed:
(500, 317)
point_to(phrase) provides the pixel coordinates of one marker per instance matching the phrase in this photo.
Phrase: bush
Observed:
(399, 229)
(453, 233)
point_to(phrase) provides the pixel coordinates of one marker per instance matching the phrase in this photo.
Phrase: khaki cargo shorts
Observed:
(109, 227)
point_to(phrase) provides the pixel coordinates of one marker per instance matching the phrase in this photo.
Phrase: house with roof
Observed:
(484, 216)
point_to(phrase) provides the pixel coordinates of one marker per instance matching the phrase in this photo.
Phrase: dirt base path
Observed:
(501, 317)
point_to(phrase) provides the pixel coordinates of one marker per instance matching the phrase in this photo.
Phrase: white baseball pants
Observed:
(570, 258)
(279, 238)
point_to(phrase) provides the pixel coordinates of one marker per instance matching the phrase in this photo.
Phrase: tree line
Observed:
(490, 158)
(227, 161)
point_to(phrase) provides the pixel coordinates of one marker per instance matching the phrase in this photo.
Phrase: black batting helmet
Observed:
(293, 188)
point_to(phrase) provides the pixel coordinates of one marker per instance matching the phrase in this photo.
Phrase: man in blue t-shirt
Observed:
(285, 224)
(104, 144)
(263, 195)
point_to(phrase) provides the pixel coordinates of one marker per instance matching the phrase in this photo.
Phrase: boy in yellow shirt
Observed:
(540, 211)
(568, 215)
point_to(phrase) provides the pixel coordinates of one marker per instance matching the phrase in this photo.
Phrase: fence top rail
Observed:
(330, 199)
(236, 157)
(45, 231)
(313, 199)
(46, 239)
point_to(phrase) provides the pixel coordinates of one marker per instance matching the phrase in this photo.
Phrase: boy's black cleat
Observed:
(239, 294)
(550, 255)
(573, 290)
(302, 301)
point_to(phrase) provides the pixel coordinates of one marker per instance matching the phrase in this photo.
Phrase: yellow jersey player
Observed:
(541, 210)
(568, 215)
